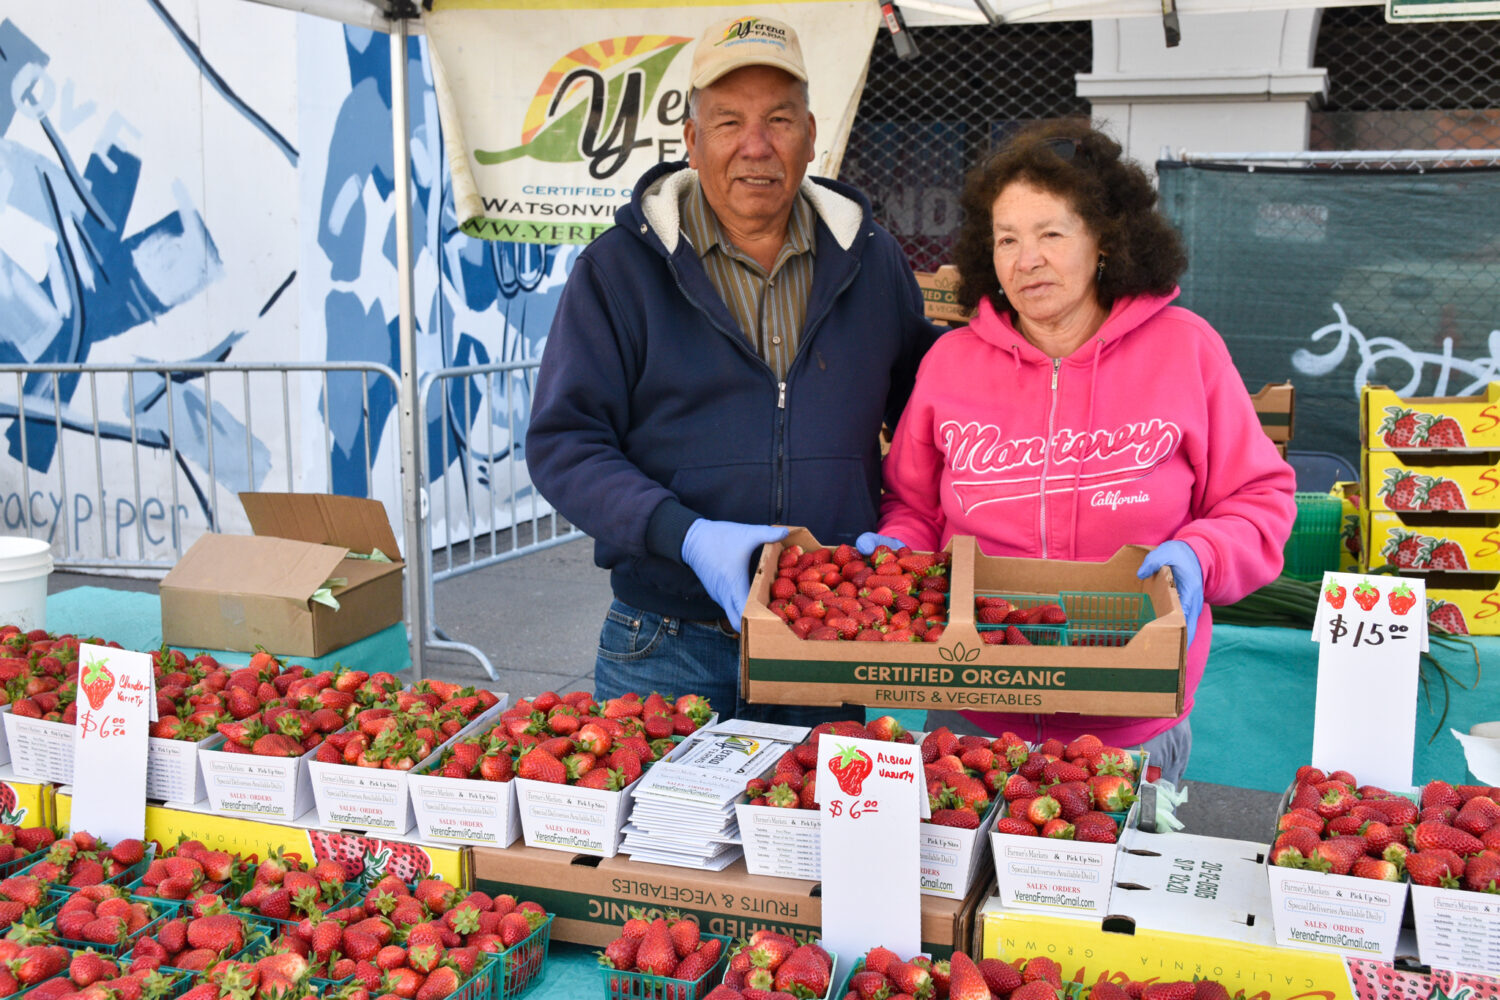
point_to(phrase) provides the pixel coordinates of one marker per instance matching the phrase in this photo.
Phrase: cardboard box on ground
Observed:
(1142, 677)
(241, 592)
(592, 897)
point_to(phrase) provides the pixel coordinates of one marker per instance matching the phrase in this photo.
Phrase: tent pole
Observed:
(417, 552)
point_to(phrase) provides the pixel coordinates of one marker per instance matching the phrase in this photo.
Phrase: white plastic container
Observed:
(25, 564)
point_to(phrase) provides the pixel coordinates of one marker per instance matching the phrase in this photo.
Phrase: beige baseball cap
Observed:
(746, 41)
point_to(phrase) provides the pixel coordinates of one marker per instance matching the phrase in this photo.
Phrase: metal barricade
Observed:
(474, 419)
(196, 433)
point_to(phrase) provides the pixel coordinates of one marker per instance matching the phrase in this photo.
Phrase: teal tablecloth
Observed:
(133, 619)
(1253, 718)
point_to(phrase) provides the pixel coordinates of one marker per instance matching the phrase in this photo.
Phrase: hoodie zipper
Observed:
(1047, 455)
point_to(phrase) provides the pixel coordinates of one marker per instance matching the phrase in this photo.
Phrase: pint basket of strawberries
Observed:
(107, 919)
(667, 958)
(82, 859)
(1358, 842)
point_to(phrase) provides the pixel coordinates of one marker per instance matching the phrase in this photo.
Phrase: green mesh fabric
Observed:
(1333, 278)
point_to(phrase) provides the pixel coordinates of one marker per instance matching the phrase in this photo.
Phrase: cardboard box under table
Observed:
(1143, 676)
(592, 897)
(248, 591)
(364, 857)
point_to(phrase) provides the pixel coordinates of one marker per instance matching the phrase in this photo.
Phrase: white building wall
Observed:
(1237, 82)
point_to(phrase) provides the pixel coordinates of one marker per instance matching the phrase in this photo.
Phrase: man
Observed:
(721, 361)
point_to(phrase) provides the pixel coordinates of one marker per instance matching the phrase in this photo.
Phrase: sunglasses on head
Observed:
(1064, 147)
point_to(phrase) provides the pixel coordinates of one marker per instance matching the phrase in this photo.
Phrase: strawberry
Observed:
(1428, 836)
(656, 955)
(536, 764)
(804, 973)
(1040, 967)
(909, 978)
(1000, 977)
(1016, 827)
(1434, 868)
(1366, 595)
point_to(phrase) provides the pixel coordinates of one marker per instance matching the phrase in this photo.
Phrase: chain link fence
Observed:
(1407, 86)
(924, 122)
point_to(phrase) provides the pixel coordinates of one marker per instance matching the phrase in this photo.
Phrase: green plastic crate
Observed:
(1105, 618)
(1039, 635)
(1313, 547)
(1095, 618)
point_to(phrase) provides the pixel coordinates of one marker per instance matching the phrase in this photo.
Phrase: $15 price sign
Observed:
(1371, 632)
(116, 696)
(872, 796)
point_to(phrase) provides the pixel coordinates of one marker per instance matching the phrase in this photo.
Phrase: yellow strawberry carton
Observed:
(1465, 611)
(1405, 543)
(1351, 528)
(1412, 483)
(1430, 423)
(379, 799)
(23, 803)
(366, 859)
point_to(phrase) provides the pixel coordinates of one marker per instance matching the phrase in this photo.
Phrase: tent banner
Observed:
(552, 109)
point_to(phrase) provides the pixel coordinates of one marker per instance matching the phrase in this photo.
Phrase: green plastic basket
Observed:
(1095, 618)
(519, 967)
(1039, 635)
(1105, 618)
(643, 986)
(1313, 547)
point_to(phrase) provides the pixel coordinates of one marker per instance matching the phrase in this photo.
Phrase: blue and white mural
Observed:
(220, 190)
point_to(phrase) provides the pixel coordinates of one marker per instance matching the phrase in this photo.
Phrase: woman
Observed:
(1081, 411)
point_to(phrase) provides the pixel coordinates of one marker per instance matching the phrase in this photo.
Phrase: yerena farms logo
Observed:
(752, 28)
(592, 102)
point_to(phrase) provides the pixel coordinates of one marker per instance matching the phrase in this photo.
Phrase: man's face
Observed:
(751, 142)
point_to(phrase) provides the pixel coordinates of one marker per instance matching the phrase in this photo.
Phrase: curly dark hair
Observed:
(1113, 197)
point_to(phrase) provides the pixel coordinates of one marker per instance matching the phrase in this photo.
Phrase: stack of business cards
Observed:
(683, 812)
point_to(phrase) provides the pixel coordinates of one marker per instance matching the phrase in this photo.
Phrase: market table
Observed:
(133, 619)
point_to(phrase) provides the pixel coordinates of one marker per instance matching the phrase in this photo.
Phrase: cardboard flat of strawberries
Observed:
(1141, 677)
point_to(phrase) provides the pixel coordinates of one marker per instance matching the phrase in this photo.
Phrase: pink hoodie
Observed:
(1143, 434)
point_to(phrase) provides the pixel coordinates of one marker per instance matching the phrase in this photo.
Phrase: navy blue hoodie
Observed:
(652, 409)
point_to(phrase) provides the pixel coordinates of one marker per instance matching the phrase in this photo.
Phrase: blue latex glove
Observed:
(1187, 575)
(719, 552)
(868, 542)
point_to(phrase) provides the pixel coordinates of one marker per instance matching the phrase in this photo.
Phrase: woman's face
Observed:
(1045, 256)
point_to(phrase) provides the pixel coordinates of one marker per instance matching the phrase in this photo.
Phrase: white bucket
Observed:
(25, 564)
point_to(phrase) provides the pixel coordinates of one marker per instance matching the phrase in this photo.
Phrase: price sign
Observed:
(1371, 632)
(115, 698)
(871, 795)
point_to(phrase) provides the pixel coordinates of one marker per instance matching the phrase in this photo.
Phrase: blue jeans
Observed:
(643, 651)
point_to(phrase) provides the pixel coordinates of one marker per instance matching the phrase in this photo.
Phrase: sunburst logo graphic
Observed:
(590, 103)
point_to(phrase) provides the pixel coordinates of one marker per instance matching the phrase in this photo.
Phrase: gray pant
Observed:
(1170, 751)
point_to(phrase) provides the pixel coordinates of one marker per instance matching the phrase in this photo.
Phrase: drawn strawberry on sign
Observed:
(850, 767)
(97, 682)
(1334, 594)
(1401, 599)
(1366, 595)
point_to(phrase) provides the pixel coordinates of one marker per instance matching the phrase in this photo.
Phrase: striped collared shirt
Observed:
(769, 307)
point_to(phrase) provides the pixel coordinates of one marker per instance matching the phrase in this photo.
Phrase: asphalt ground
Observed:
(537, 618)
